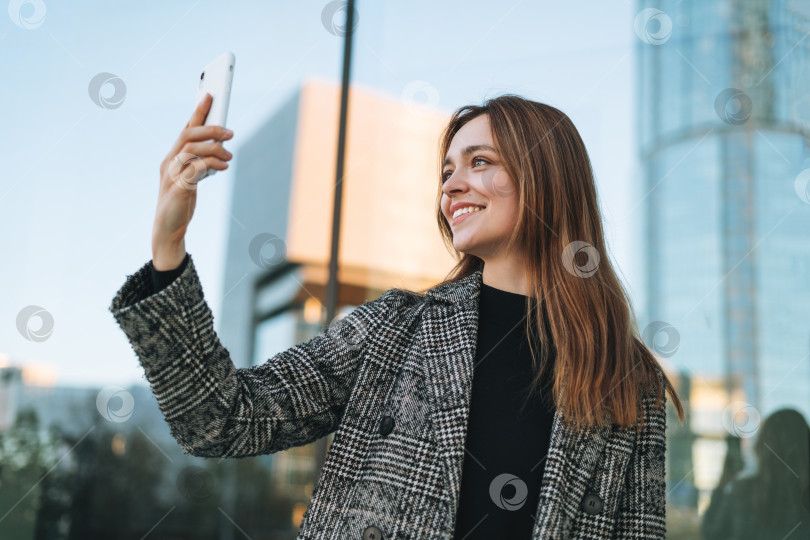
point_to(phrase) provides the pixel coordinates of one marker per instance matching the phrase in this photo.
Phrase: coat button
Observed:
(592, 504)
(386, 425)
(372, 533)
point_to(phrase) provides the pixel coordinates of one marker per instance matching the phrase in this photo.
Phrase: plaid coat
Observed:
(393, 380)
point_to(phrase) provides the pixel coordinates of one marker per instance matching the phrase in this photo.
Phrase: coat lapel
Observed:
(448, 340)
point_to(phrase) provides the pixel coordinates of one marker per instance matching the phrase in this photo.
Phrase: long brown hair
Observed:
(585, 319)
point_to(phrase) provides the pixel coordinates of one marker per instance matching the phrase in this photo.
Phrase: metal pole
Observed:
(332, 285)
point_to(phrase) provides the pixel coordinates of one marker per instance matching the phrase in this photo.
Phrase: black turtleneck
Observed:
(502, 440)
(163, 278)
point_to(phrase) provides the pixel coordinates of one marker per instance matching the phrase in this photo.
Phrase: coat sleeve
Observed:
(642, 507)
(215, 410)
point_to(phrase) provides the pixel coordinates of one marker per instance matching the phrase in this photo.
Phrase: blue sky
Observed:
(78, 193)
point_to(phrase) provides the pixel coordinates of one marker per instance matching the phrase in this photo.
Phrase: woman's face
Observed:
(473, 173)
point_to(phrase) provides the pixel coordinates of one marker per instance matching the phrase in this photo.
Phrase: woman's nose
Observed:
(455, 183)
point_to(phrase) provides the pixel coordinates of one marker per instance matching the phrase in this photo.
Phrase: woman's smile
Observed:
(464, 216)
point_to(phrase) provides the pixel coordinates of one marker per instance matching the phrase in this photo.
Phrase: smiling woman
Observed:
(518, 204)
(437, 434)
(525, 165)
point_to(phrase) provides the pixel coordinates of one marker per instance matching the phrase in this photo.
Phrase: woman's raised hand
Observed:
(183, 167)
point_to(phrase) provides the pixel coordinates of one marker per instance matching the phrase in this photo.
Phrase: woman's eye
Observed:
(448, 174)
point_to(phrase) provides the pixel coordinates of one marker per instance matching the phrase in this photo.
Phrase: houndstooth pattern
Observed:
(404, 356)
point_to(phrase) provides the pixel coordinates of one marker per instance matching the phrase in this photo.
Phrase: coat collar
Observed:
(459, 290)
(448, 339)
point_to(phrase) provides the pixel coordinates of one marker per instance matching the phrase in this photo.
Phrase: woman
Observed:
(437, 434)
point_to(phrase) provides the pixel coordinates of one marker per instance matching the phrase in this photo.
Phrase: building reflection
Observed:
(772, 502)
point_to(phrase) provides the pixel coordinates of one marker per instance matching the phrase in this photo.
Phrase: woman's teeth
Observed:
(466, 210)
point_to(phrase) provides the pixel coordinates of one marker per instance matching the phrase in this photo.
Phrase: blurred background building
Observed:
(723, 127)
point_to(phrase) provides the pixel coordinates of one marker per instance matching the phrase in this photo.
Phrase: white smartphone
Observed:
(216, 79)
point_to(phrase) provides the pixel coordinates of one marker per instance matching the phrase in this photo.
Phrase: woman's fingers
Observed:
(190, 135)
(189, 170)
(204, 133)
(215, 163)
(205, 149)
(201, 111)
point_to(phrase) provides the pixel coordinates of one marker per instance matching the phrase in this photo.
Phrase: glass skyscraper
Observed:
(723, 127)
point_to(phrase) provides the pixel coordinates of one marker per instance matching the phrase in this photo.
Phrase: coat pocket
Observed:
(400, 476)
(599, 504)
